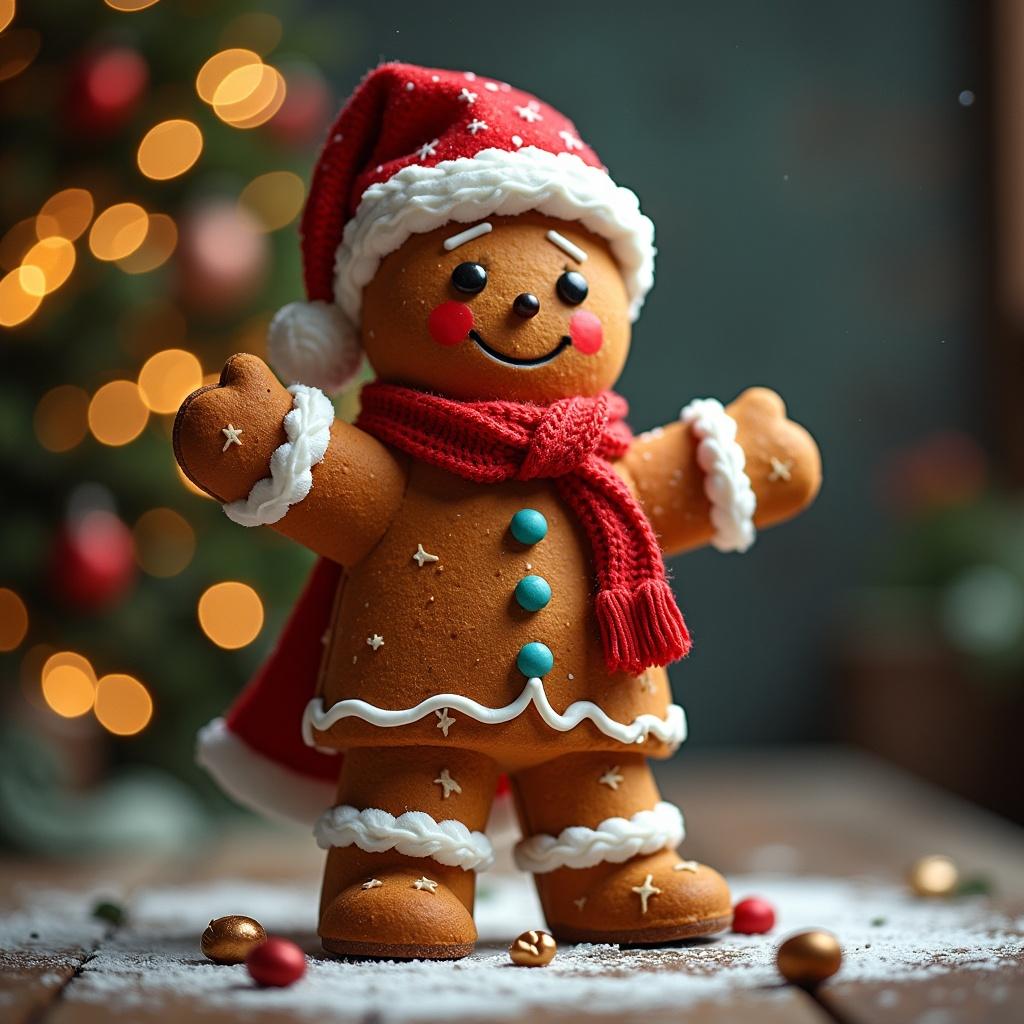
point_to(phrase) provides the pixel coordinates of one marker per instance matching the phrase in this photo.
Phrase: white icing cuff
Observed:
(308, 429)
(726, 484)
(613, 841)
(414, 834)
(670, 730)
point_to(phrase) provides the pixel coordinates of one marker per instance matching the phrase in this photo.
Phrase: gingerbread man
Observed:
(492, 598)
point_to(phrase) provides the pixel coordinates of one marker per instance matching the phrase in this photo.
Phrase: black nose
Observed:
(526, 305)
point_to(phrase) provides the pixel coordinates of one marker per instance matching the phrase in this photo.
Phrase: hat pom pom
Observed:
(314, 343)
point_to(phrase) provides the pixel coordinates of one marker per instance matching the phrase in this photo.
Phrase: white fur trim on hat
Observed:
(258, 783)
(314, 343)
(494, 182)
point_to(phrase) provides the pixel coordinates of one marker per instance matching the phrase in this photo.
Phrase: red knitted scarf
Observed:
(571, 441)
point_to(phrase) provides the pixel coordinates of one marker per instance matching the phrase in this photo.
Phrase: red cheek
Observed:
(586, 332)
(450, 322)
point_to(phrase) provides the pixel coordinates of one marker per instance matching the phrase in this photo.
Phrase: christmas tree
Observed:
(153, 169)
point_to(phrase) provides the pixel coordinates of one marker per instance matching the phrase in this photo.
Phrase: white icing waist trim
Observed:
(671, 729)
(613, 841)
(414, 834)
(726, 484)
(308, 429)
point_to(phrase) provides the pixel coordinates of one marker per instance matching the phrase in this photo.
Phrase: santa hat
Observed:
(414, 149)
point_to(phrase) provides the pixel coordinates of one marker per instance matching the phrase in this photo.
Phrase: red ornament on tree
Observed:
(276, 964)
(753, 916)
(93, 563)
(104, 90)
(307, 106)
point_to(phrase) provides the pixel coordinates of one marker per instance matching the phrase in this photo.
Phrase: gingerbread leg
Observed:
(601, 845)
(405, 842)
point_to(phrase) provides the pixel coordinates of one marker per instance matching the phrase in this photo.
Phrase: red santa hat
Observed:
(414, 149)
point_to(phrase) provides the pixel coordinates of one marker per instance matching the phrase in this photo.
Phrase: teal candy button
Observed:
(533, 593)
(528, 526)
(535, 659)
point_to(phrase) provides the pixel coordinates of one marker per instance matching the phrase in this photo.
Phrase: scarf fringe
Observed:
(641, 627)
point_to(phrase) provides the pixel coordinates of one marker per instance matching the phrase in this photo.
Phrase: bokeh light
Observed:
(54, 257)
(69, 686)
(249, 96)
(118, 231)
(18, 48)
(231, 614)
(117, 413)
(17, 241)
(275, 199)
(18, 302)
(169, 149)
(61, 418)
(66, 214)
(168, 378)
(13, 619)
(219, 66)
(130, 6)
(164, 542)
(6, 13)
(156, 249)
(123, 705)
(73, 658)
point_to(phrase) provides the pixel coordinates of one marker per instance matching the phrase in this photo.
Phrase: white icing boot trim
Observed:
(308, 429)
(671, 729)
(726, 484)
(613, 841)
(414, 834)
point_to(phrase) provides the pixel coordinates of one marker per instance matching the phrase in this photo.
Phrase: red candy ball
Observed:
(277, 963)
(450, 322)
(753, 916)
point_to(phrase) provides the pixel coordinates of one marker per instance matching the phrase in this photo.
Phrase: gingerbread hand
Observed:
(225, 433)
(782, 460)
(761, 467)
(275, 456)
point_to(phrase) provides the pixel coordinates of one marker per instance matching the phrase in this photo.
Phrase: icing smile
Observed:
(513, 360)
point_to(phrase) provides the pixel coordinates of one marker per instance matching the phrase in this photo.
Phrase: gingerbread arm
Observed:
(783, 467)
(318, 480)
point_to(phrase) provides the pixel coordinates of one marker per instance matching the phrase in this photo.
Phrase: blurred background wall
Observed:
(821, 179)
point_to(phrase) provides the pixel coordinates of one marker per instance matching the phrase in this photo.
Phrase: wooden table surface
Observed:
(825, 833)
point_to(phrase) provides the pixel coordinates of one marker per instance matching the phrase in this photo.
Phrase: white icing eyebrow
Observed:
(468, 235)
(566, 246)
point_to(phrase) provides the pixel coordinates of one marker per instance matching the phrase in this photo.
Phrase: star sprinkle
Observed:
(447, 784)
(687, 865)
(421, 556)
(580, 903)
(427, 884)
(444, 721)
(232, 434)
(376, 641)
(476, 125)
(373, 883)
(530, 113)
(467, 97)
(611, 778)
(645, 892)
(427, 149)
(781, 469)
(570, 140)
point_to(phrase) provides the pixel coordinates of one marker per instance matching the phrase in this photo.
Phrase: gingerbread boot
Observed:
(600, 843)
(405, 843)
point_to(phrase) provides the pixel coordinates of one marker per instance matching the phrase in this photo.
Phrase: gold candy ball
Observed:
(229, 940)
(533, 949)
(933, 876)
(810, 957)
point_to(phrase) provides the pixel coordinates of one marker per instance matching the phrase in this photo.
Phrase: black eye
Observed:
(572, 287)
(469, 278)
